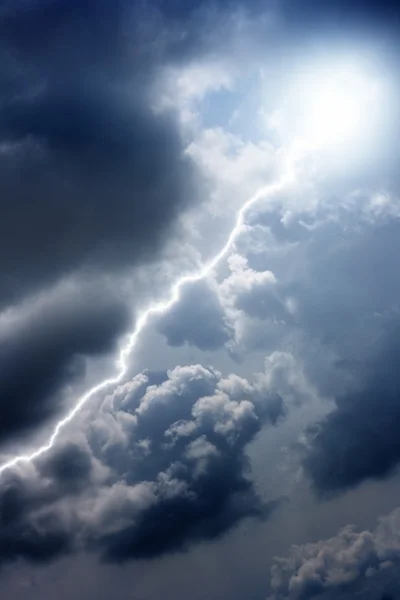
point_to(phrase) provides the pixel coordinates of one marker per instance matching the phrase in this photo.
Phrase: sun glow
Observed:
(340, 108)
(331, 106)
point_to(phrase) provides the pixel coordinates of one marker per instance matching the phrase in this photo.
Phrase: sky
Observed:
(199, 300)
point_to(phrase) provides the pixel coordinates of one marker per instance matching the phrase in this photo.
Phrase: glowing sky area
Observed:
(199, 301)
(338, 109)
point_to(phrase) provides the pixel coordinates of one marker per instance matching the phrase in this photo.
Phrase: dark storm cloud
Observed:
(359, 439)
(69, 468)
(90, 175)
(34, 524)
(44, 346)
(91, 179)
(23, 532)
(198, 319)
(359, 13)
(350, 306)
(165, 467)
(339, 23)
(339, 271)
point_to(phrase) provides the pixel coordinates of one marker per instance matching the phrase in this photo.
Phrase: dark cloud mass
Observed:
(91, 181)
(90, 177)
(354, 311)
(165, 466)
(44, 346)
(366, 422)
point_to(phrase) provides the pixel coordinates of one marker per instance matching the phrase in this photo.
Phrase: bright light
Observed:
(340, 108)
(330, 106)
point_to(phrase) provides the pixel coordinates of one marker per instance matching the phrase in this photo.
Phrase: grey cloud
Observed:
(25, 533)
(198, 319)
(359, 438)
(91, 177)
(352, 310)
(190, 435)
(70, 469)
(255, 292)
(91, 182)
(354, 266)
(341, 278)
(101, 202)
(210, 316)
(164, 466)
(352, 564)
(44, 345)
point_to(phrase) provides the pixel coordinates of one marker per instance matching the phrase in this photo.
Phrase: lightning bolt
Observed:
(158, 308)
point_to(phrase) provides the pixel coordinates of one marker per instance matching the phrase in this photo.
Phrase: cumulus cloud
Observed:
(164, 465)
(210, 315)
(257, 313)
(250, 291)
(352, 564)
(331, 294)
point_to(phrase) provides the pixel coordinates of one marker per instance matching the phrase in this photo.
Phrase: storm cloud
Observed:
(365, 421)
(360, 327)
(334, 297)
(44, 347)
(91, 177)
(352, 564)
(130, 134)
(164, 466)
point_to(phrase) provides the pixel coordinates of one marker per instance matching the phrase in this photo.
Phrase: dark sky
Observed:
(244, 443)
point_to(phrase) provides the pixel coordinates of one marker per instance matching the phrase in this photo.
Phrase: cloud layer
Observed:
(131, 130)
(92, 177)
